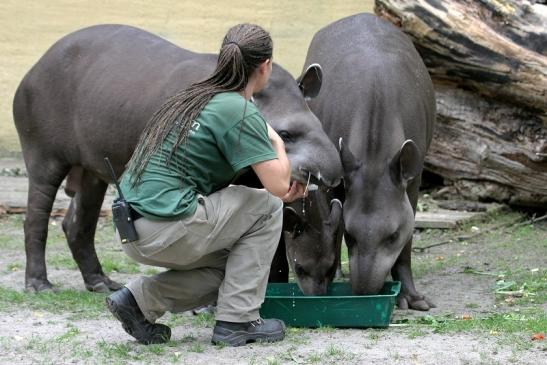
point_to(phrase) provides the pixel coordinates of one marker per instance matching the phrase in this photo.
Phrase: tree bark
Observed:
(487, 59)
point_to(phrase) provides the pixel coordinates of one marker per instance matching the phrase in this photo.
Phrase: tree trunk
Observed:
(488, 63)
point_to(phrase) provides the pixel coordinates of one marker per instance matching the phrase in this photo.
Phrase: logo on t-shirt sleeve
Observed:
(195, 127)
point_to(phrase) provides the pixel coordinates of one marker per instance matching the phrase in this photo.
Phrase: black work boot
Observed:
(238, 334)
(123, 306)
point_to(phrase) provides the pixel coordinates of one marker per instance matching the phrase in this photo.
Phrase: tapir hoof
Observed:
(103, 285)
(414, 301)
(38, 285)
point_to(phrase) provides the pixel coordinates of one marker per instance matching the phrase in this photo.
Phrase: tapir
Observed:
(312, 230)
(377, 104)
(90, 96)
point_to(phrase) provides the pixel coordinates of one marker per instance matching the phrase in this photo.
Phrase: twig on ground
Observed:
(293, 358)
(512, 293)
(532, 221)
(470, 270)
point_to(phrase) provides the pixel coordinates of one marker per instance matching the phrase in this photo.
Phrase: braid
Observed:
(244, 47)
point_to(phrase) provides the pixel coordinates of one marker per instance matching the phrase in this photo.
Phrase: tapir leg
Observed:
(44, 181)
(79, 226)
(338, 244)
(409, 298)
(279, 271)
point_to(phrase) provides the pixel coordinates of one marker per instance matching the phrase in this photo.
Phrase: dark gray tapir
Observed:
(377, 103)
(91, 95)
(313, 230)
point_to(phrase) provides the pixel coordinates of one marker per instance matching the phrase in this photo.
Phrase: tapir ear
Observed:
(310, 81)
(407, 163)
(290, 219)
(349, 162)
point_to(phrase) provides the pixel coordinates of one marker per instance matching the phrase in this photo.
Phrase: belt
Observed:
(134, 214)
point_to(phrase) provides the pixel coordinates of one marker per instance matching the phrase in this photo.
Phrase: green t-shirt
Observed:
(218, 146)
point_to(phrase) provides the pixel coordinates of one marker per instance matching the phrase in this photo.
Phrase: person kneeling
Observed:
(217, 240)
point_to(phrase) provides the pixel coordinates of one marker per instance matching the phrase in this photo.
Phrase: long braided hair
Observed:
(243, 49)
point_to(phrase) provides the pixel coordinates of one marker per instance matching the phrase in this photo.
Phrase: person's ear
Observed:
(264, 66)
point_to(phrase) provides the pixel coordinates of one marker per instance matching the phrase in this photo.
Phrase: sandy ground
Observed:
(29, 336)
(391, 346)
(26, 333)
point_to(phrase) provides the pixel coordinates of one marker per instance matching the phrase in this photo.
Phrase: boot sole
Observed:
(129, 326)
(242, 338)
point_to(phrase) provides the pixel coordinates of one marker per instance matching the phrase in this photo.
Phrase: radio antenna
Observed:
(113, 175)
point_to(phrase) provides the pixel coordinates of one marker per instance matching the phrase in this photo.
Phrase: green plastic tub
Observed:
(339, 308)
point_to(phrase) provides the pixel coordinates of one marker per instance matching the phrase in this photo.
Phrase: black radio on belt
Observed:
(121, 212)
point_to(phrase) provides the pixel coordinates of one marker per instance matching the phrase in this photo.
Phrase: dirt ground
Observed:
(471, 324)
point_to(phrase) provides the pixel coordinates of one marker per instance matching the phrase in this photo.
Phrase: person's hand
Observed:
(296, 191)
(272, 134)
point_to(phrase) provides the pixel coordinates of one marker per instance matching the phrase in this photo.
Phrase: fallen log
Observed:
(488, 63)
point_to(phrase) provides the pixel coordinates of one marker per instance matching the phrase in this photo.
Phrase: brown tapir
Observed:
(90, 96)
(377, 103)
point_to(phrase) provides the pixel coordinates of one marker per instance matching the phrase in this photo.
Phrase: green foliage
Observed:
(13, 266)
(272, 361)
(518, 286)
(417, 331)
(333, 351)
(529, 320)
(117, 351)
(196, 347)
(176, 319)
(122, 264)
(326, 329)
(314, 358)
(84, 303)
(337, 353)
(151, 271)
(11, 235)
(156, 349)
(61, 261)
(69, 335)
(522, 286)
(298, 336)
(204, 319)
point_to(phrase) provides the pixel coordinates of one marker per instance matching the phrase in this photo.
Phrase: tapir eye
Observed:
(285, 136)
(298, 230)
(393, 237)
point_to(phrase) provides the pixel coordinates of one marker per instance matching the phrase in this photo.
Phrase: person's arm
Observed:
(275, 174)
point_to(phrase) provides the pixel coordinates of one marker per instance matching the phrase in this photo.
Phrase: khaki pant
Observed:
(223, 252)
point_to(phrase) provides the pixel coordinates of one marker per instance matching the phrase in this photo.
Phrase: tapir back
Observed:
(101, 78)
(372, 66)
